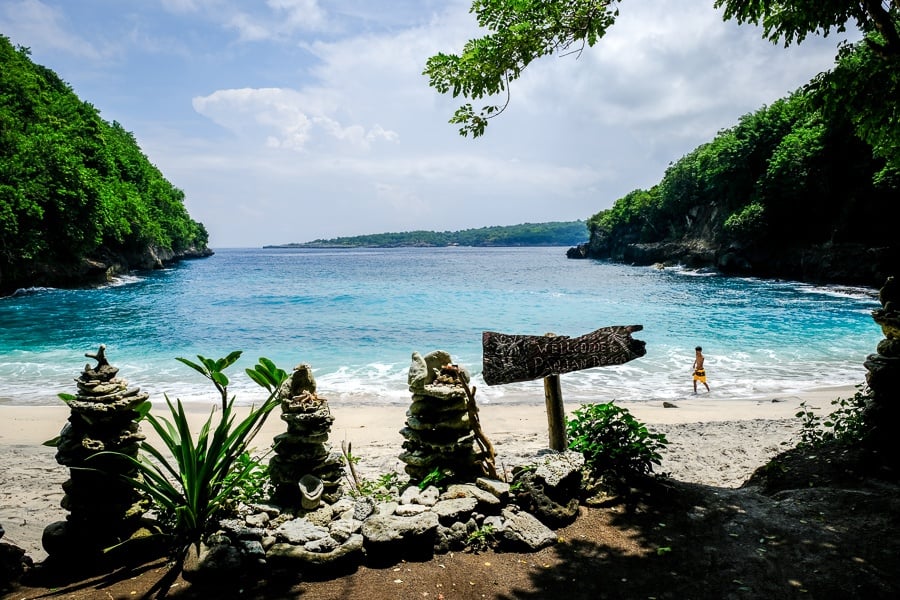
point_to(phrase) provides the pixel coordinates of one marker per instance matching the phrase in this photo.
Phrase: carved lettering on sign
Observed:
(509, 358)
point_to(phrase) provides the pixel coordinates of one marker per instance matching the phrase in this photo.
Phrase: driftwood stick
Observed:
(345, 448)
(475, 423)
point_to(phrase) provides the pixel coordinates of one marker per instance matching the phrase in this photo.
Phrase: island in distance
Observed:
(567, 233)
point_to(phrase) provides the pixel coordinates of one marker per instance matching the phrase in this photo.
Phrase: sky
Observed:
(293, 120)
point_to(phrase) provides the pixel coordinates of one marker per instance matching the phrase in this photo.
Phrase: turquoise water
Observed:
(357, 315)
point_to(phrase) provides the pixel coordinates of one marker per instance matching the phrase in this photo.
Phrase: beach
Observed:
(711, 441)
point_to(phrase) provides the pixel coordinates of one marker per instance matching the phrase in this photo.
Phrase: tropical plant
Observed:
(613, 442)
(846, 424)
(254, 484)
(383, 488)
(481, 539)
(436, 478)
(192, 481)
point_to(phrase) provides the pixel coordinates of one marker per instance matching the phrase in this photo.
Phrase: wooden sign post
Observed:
(509, 358)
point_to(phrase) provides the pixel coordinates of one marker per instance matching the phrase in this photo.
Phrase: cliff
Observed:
(842, 263)
(98, 269)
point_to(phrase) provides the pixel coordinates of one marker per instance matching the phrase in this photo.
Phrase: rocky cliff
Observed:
(98, 269)
(704, 245)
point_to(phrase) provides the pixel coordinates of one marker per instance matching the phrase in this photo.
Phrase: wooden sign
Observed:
(508, 358)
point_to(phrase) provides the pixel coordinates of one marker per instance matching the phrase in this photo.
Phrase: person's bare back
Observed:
(699, 370)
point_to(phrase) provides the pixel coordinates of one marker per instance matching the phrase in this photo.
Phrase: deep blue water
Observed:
(357, 315)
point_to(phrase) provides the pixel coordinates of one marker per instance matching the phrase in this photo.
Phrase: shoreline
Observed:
(711, 442)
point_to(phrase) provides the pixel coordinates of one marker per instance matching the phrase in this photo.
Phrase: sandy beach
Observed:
(713, 442)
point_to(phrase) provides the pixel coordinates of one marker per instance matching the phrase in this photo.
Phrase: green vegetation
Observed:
(522, 31)
(437, 477)
(527, 234)
(192, 481)
(845, 425)
(615, 445)
(482, 539)
(383, 488)
(72, 186)
(790, 172)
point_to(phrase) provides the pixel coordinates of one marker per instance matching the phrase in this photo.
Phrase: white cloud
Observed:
(284, 118)
(38, 24)
(318, 113)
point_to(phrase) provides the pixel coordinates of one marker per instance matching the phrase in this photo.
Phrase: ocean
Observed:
(357, 315)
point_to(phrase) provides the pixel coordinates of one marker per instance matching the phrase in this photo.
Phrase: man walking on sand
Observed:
(699, 371)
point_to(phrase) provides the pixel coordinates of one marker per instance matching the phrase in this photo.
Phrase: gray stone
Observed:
(498, 488)
(385, 508)
(219, 562)
(270, 509)
(252, 548)
(363, 508)
(455, 509)
(495, 522)
(237, 530)
(342, 529)
(559, 469)
(392, 528)
(406, 510)
(343, 504)
(452, 538)
(299, 531)
(485, 499)
(435, 360)
(325, 544)
(428, 496)
(522, 530)
(418, 373)
(409, 495)
(292, 556)
(322, 516)
(257, 519)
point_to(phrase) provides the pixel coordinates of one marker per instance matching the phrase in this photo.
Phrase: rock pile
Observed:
(439, 432)
(883, 367)
(304, 470)
(410, 524)
(103, 510)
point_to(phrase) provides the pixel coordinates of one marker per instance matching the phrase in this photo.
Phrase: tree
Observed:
(792, 20)
(522, 31)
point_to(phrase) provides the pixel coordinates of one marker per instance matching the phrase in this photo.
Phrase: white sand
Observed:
(713, 442)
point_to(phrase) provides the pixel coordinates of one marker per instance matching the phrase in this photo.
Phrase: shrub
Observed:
(748, 223)
(613, 442)
(845, 425)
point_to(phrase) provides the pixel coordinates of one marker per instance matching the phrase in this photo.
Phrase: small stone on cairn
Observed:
(302, 454)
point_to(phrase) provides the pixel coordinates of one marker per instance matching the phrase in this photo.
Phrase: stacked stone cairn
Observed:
(883, 368)
(439, 433)
(103, 509)
(304, 470)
